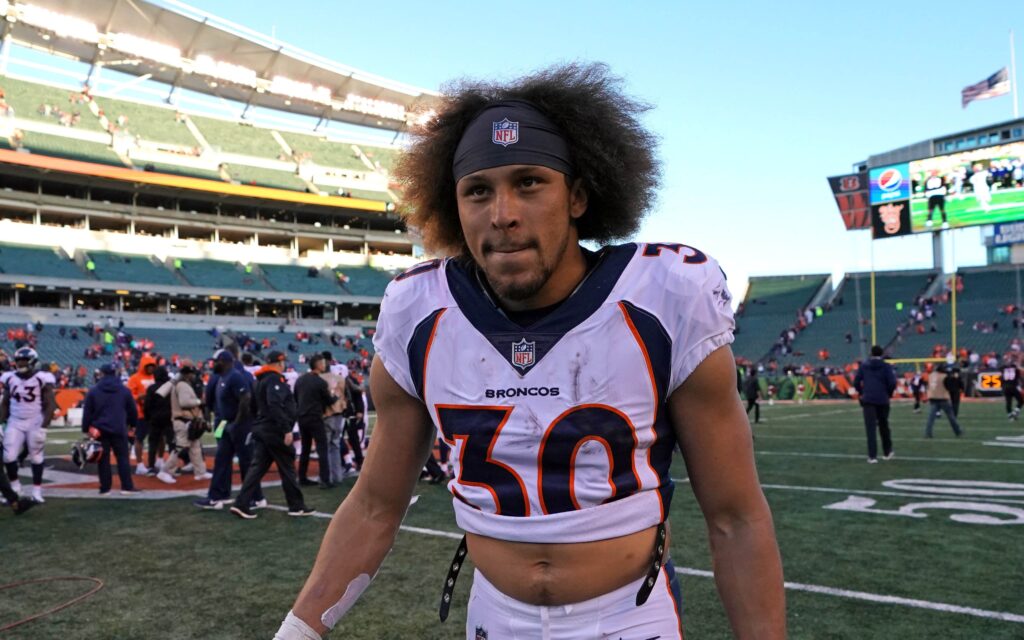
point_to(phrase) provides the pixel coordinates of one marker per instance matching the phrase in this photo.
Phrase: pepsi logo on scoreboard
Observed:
(890, 183)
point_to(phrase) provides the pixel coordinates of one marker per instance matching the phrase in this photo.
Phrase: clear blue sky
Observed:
(756, 102)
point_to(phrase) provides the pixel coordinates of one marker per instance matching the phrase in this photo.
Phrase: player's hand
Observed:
(288, 439)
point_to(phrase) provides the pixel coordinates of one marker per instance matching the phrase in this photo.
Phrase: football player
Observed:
(27, 408)
(562, 378)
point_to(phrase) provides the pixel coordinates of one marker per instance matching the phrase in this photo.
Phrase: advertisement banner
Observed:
(890, 183)
(890, 219)
(1008, 233)
(851, 194)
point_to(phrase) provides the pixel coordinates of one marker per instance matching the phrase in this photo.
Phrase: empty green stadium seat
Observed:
(299, 279)
(70, 148)
(220, 275)
(37, 261)
(261, 177)
(365, 281)
(148, 122)
(27, 97)
(325, 152)
(235, 137)
(178, 170)
(117, 267)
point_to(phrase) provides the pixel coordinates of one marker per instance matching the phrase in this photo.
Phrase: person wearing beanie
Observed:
(272, 440)
(109, 410)
(875, 381)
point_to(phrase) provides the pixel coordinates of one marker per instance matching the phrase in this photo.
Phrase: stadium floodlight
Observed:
(381, 108)
(238, 74)
(58, 23)
(305, 90)
(155, 51)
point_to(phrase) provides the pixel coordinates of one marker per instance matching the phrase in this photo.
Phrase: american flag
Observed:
(996, 84)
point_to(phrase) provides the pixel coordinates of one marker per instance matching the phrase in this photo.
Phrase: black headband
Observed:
(510, 132)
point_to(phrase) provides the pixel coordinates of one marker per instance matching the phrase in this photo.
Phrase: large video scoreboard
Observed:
(962, 189)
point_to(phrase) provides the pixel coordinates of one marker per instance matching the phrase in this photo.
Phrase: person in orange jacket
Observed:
(137, 384)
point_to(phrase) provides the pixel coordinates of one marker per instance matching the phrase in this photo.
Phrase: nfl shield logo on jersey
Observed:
(505, 132)
(481, 633)
(523, 353)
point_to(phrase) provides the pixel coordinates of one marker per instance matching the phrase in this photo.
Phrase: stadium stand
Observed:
(71, 148)
(364, 281)
(235, 137)
(178, 170)
(324, 152)
(383, 158)
(37, 261)
(146, 121)
(117, 267)
(266, 177)
(771, 304)
(221, 275)
(366, 194)
(29, 98)
(300, 279)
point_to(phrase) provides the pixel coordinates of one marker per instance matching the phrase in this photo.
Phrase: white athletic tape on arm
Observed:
(352, 593)
(294, 628)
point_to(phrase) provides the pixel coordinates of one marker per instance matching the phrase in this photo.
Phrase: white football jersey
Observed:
(26, 394)
(560, 430)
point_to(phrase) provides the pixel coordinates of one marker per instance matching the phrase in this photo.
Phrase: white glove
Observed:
(293, 628)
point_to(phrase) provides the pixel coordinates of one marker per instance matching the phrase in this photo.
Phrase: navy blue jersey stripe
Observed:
(418, 347)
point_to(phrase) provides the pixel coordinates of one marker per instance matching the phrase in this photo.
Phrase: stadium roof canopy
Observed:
(176, 44)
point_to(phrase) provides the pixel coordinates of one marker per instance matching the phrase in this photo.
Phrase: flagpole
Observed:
(1013, 75)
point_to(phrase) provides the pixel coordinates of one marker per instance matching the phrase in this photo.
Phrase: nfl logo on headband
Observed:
(505, 132)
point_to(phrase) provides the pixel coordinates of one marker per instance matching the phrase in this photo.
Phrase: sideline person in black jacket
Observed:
(875, 381)
(752, 391)
(110, 408)
(272, 440)
(313, 398)
(955, 386)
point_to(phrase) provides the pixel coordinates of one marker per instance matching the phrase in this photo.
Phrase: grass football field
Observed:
(928, 545)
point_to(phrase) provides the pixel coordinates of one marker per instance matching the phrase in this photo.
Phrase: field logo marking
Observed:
(986, 513)
(1006, 441)
(866, 505)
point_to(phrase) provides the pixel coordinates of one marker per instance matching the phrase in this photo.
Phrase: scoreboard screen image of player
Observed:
(966, 188)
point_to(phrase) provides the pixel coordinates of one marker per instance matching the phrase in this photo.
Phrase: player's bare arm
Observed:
(49, 405)
(709, 419)
(364, 527)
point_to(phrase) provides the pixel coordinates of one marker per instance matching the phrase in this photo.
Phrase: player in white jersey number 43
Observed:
(563, 379)
(27, 408)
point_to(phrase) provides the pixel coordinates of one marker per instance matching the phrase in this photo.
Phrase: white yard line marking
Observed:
(901, 457)
(875, 597)
(816, 414)
(938, 440)
(902, 494)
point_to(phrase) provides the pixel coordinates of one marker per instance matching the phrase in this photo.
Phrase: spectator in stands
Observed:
(752, 391)
(875, 382)
(110, 409)
(938, 398)
(314, 398)
(272, 440)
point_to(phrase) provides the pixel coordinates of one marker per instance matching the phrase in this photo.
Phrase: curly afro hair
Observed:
(612, 153)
